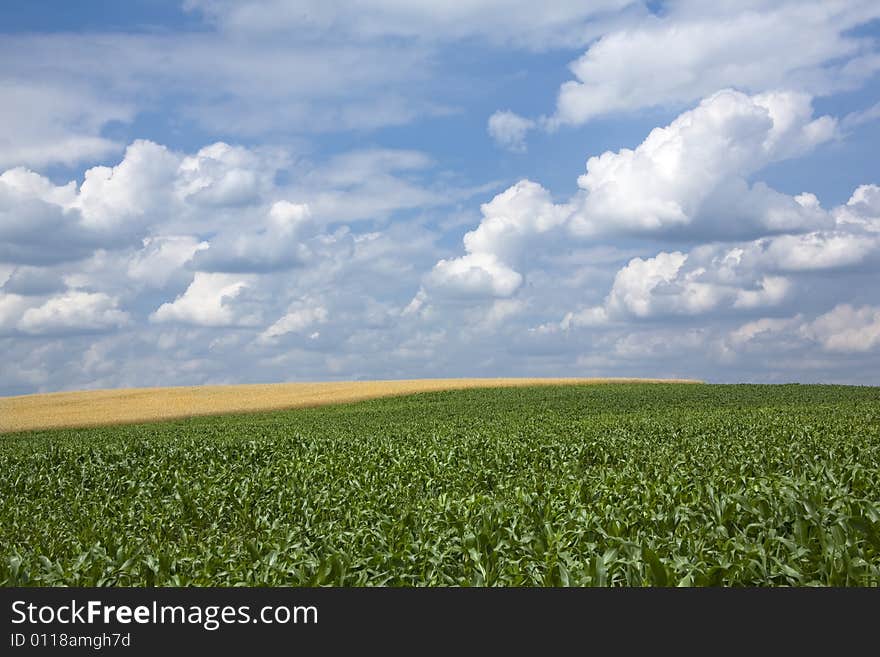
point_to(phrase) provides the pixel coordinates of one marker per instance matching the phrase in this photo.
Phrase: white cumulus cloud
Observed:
(73, 311)
(509, 130)
(846, 328)
(511, 221)
(161, 257)
(208, 301)
(691, 52)
(278, 242)
(694, 170)
(296, 321)
(686, 179)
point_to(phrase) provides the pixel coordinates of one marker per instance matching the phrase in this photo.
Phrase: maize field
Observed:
(576, 485)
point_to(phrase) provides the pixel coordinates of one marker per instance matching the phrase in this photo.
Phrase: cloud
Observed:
(668, 284)
(11, 308)
(213, 81)
(694, 170)
(663, 344)
(372, 184)
(223, 175)
(37, 222)
(161, 257)
(208, 301)
(352, 167)
(862, 210)
(510, 221)
(223, 197)
(500, 313)
(296, 320)
(739, 277)
(818, 250)
(858, 118)
(686, 180)
(271, 253)
(131, 194)
(475, 274)
(42, 123)
(509, 130)
(553, 24)
(766, 329)
(225, 319)
(723, 279)
(32, 281)
(41, 222)
(279, 243)
(175, 239)
(71, 312)
(261, 69)
(847, 329)
(691, 52)
(635, 287)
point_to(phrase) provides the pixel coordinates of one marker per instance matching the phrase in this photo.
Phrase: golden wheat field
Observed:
(103, 407)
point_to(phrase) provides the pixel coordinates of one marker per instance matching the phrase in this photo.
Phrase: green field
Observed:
(570, 485)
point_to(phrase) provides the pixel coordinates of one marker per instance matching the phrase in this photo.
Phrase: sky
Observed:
(217, 191)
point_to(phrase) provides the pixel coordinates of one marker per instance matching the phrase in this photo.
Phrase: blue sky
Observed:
(213, 191)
